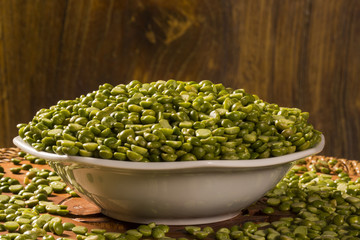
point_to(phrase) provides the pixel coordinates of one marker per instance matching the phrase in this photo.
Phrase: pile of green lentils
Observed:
(169, 121)
(310, 204)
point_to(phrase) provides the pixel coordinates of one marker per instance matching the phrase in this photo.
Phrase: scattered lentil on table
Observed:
(315, 205)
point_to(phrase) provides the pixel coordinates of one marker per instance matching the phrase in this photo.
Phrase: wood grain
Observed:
(302, 53)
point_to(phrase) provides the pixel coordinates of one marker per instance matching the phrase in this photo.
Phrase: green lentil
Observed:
(157, 233)
(11, 226)
(15, 170)
(268, 210)
(181, 115)
(68, 226)
(112, 235)
(145, 230)
(48, 237)
(15, 161)
(57, 187)
(192, 229)
(79, 230)
(16, 188)
(58, 228)
(135, 233)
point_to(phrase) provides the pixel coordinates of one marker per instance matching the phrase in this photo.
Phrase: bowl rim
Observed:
(128, 165)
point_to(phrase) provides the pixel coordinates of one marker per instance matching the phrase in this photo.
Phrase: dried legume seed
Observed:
(180, 115)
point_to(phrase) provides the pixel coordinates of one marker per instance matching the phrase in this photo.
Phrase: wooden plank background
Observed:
(297, 53)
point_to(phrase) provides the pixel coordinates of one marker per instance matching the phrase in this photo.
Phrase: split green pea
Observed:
(135, 122)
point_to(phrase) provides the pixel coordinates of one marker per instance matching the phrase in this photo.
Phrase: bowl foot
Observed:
(170, 221)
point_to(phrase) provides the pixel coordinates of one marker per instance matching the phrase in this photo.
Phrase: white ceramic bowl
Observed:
(176, 193)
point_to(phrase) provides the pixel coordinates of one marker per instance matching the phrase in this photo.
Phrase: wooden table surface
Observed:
(84, 213)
